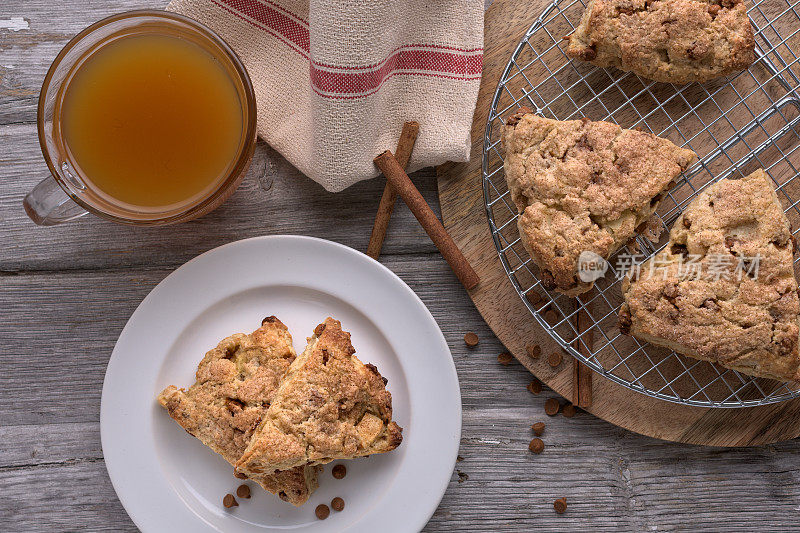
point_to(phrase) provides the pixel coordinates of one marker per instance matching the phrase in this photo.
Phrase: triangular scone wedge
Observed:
(330, 406)
(582, 186)
(236, 382)
(723, 290)
(671, 41)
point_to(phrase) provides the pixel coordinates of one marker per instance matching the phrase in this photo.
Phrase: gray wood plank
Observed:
(610, 488)
(64, 497)
(613, 479)
(278, 201)
(32, 446)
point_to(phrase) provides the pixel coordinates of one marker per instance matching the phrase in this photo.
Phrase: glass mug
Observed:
(68, 194)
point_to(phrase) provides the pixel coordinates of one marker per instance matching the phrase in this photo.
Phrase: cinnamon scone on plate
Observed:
(330, 406)
(236, 381)
(672, 41)
(723, 290)
(583, 187)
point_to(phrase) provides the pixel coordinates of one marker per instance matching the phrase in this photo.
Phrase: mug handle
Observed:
(47, 204)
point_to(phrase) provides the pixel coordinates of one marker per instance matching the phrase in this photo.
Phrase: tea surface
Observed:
(152, 121)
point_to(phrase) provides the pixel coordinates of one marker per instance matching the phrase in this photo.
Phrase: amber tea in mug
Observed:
(153, 122)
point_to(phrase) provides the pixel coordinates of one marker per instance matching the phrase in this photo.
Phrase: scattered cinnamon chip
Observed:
(322, 511)
(339, 471)
(462, 476)
(229, 501)
(554, 359)
(535, 386)
(552, 406)
(538, 428)
(536, 446)
(534, 350)
(243, 491)
(471, 339)
(560, 505)
(551, 316)
(337, 504)
(534, 298)
(504, 358)
(239, 475)
(569, 410)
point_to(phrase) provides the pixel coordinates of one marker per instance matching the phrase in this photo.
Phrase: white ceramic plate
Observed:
(168, 481)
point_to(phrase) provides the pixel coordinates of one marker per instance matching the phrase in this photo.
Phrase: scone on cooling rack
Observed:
(236, 381)
(672, 41)
(582, 186)
(723, 290)
(330, 406)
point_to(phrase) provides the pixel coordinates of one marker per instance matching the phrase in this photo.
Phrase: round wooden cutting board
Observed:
(461, 199)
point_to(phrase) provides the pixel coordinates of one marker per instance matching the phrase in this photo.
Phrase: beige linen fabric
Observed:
(336, 79)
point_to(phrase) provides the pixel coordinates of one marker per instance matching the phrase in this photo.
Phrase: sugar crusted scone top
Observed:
(330, 406)
(236, 381)
(583, 186)
(724, 288)
(674, 41)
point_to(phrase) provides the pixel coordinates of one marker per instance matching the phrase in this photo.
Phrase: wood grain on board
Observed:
(462, 205)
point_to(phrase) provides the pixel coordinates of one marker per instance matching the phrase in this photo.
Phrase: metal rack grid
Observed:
(735, 125)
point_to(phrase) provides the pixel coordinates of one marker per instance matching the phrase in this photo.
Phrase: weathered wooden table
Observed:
(66, 292)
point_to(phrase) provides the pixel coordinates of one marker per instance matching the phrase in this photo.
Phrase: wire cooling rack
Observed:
(735, 125)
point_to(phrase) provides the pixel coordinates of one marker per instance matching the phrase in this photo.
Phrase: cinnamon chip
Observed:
(560, 505)
(535, 387)
(538, 428)
(551, 316)
(471, 339)
(551, 407)
(243, 491)
(569, 410)
(322, 511)
(534, 298)
(337, 504)
(239, 475)
(534, 350)
(554, 359)
(536, 446)
(504, 359)
(229, 501)
(339, 471)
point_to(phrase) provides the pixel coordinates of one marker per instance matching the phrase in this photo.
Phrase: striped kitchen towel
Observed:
(336, 79)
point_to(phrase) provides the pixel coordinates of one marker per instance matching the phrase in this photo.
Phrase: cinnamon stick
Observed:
(427, 218)
(582, 374)
(405, 145)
